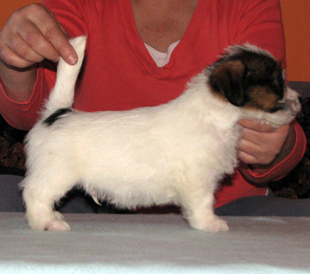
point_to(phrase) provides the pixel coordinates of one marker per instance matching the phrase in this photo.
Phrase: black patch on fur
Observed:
(56, 116)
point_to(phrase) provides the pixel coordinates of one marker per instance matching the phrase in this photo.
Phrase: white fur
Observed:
(172, 153)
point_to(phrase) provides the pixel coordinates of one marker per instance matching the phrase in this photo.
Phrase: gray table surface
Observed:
(162, 243)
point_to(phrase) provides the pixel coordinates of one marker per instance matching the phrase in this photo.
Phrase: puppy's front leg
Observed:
(197, 206)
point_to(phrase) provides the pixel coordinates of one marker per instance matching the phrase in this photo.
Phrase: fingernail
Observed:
(72, 60)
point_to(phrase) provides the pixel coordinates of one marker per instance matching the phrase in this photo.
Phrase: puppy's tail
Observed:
(62, 95)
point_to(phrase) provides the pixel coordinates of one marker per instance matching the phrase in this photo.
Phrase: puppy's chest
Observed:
(222, 149)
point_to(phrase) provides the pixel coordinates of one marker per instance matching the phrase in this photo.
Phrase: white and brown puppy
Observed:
(172, 153)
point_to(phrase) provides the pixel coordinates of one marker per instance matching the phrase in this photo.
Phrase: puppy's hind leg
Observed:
(39, 198)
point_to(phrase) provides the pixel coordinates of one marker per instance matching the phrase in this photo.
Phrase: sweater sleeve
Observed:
(23, 115)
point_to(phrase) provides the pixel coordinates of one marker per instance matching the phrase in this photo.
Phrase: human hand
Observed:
(262, 143)
(32, 34)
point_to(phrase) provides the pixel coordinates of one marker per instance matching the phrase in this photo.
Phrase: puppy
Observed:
(172, 153)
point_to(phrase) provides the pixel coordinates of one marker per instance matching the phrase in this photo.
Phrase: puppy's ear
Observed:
(226, 80)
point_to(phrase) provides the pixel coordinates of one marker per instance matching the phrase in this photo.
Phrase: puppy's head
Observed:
(251, 78)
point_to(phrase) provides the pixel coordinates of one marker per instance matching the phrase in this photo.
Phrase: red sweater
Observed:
(120, 74)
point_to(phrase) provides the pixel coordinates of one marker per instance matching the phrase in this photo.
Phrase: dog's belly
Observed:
(132, 194)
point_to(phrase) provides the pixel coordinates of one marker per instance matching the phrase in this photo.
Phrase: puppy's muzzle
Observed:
(292, 105)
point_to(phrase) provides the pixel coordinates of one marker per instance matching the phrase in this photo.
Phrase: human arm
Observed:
(259, 22)
(266, 153)
(31, 35)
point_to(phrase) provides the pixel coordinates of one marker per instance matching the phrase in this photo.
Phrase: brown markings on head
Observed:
(248, 77)
(227, 81)
(263, 98)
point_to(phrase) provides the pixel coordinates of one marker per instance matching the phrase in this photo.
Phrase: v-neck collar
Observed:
(140, 50)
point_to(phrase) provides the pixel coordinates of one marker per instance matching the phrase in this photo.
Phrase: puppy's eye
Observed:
(277, 107)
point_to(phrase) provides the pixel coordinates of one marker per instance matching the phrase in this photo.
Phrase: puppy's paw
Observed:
(211, 224)
(216, 225)
(57, 225)
(54, 223)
